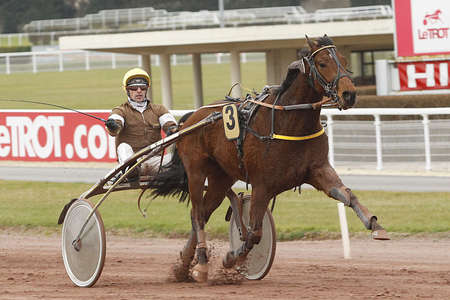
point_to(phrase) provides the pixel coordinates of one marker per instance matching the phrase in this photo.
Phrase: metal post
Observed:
(244, 57)
(344, 230)
(60, 60)
(33, 61)
(174, 59)
(9, 40)
(221, 14)
(426, 136)
(330, 139)
(140, 61)
(86, 56)
(377, 124)
(8, 66)
(113, 60)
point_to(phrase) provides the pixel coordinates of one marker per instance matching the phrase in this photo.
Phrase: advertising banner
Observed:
(424, 75)
(422, 27)
(53, 135)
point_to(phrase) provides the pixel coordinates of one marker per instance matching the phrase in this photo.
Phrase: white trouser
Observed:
(150, 166)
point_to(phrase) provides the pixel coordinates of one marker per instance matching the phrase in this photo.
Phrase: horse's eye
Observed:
(322, 65)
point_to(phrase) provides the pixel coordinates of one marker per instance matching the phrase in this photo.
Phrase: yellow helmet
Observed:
(134, 73)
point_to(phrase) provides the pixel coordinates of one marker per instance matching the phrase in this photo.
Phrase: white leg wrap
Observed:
(124, 151)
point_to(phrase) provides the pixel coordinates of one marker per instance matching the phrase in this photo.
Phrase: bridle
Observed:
(331, 87)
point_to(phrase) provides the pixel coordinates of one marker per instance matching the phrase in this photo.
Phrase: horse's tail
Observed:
(171, 180)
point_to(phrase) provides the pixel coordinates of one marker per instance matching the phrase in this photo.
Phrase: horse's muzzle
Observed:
(349, 99)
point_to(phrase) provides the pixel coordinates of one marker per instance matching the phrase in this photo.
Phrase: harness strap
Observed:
(321, 48)
(314, 105)
(298, 138)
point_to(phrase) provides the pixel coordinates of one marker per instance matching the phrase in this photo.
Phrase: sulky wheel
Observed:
(260, 258)
(83, 260)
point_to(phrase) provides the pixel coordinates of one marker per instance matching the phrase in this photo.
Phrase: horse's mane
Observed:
(293, 73)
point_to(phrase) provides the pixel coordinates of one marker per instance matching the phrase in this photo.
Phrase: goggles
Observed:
(136, 87)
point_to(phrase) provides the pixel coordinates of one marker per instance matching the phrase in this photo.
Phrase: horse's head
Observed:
(328, 72)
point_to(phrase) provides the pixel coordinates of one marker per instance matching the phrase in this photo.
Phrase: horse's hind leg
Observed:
(218, 184)
(326, 179)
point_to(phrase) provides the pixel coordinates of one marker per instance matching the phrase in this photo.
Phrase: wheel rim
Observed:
(260, 259)
(84, 266)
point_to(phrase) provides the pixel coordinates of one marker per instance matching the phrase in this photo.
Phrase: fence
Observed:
(423, 138)
(87, 60)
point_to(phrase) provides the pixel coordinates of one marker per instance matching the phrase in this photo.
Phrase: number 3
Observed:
(230, 121)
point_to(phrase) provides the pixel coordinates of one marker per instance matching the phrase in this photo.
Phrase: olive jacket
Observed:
(140, 129)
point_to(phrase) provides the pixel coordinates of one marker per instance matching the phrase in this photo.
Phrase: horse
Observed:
(283, 146)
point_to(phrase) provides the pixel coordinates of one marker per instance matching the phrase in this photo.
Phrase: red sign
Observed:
(425, 75)
(53, 135)
(422, 27)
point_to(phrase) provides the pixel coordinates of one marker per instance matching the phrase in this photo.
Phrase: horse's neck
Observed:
(302, 121)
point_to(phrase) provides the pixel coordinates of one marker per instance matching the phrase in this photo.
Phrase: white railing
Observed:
(14, 39)
(423, 139)
(147, 18)
(86, 60)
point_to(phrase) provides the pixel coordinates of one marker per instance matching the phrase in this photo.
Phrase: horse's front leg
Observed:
(327, 180)
(258, 207)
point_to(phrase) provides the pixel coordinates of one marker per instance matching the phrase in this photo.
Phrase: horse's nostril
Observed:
(349, 98)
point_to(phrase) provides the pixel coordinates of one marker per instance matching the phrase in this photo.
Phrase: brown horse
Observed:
(283, 146)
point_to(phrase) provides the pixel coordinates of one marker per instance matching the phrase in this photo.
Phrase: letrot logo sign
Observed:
(422, 27)
(430, 22)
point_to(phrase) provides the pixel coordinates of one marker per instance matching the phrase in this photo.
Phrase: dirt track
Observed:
(31, 267)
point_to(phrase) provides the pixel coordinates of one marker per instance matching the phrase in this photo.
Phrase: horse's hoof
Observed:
(200, 273)
(380, 235)
(228, 261)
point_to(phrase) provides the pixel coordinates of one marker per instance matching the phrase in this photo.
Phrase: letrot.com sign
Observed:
(422, 27)
(54, 136)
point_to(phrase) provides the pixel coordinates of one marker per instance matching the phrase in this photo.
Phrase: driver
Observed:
(137, 123)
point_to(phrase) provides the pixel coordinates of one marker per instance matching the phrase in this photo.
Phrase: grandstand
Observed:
(150, 19)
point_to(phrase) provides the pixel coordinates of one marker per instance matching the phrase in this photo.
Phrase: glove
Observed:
(171, 130)
(111, 124)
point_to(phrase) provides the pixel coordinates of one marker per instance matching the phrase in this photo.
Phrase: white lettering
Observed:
(56, 123)
(413, 76)
(443, 74)
(46, 150)
(25, 138)
(112, 146)
(4, 139)
(100, 151)
(79, 149)
(14, 123)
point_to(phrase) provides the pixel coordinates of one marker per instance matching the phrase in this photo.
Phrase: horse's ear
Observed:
(297, 65)
(311, 44)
